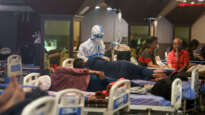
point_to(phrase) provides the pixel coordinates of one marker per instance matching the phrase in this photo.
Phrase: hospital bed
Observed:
(70, 102)
(42, 106)
(118, 99)
(31, 79)
(189, 92)
(176, 98)
(68, 62)
(193, 94)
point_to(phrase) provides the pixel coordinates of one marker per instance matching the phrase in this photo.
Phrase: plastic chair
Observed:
(70, 102)
(42, 106)
(68, 62)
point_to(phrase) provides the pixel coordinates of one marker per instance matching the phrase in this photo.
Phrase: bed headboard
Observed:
(31, 79)
(176, 96)
(119, 96)
(68, 62)
(70, 102)
(14, 67)
(195, 79)
(42, 106)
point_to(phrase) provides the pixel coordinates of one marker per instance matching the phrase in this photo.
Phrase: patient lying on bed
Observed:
(121, 68)
(82, 79)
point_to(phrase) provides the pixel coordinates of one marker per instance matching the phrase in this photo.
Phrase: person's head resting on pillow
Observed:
(78, 63)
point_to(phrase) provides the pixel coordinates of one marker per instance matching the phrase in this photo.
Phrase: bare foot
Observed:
(18, 96)
(9, 91)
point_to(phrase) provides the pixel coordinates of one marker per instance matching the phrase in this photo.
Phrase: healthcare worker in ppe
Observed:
(94, 46)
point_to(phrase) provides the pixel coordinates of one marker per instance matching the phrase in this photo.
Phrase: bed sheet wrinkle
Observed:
(148, 100)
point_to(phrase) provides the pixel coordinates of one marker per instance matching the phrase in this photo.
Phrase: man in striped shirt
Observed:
(178, 58)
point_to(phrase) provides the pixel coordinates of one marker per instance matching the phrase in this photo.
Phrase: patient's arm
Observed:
(99, 73)
(169, 65)
(151, 64)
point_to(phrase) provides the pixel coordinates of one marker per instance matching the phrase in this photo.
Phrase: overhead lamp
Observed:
(192, 2)
(109, 9)
(97, 7)
(200, 0)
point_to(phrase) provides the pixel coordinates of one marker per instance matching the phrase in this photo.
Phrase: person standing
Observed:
(94, 46)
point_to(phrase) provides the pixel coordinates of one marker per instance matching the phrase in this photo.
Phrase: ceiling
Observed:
(133, 11)
(62, 7)
(185, 15)
(12, 2)
(136, 11)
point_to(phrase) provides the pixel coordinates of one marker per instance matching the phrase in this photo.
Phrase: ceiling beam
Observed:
(168, 8)
(87, 6)
(13, 8)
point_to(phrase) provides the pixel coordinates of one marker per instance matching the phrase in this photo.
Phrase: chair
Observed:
(68, 62)
(42, 106)
(70, 102)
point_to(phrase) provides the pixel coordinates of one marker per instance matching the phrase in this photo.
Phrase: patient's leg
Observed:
(8, 91)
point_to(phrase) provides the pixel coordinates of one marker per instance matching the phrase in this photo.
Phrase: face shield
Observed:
(97, 31)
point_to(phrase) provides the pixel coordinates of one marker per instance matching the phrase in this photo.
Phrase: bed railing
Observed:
(176, 96)
(41, 106)
(68, 62)
(31, 79)
(195, 80)
(119, 96)
(14, 67)
(70, 102)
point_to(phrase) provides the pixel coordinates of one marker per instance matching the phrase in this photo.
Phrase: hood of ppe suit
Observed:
(97, 31)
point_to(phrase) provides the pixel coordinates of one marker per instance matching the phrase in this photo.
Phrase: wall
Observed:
(164, 33)
(113, 29)
(8, 29)
(198, 29)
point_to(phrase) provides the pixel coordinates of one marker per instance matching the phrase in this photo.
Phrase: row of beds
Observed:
(120, 98)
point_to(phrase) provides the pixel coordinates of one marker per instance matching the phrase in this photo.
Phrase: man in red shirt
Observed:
(178, 58)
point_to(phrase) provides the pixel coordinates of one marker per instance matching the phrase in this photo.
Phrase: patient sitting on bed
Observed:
(121, 68)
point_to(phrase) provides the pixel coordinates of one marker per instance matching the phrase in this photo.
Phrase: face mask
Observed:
(98, 35)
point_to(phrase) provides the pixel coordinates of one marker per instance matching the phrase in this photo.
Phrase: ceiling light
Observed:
(192, 2)
(201, 0)
(97, 7)
(109, 9)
